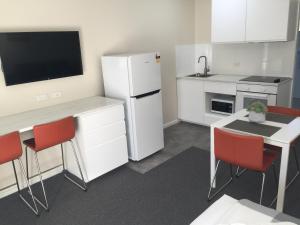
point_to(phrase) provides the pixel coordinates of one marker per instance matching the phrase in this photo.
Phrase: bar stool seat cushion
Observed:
(50, 134)
(31, 144)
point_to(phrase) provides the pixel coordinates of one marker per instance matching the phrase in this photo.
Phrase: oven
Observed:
(243, 99)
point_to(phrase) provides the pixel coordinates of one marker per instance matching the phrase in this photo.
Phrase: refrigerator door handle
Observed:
(146, 94)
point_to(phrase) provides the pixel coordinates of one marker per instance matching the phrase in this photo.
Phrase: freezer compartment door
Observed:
(144, 73)
(147, 122)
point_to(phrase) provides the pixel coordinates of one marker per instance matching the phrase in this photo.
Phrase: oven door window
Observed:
(249, 100)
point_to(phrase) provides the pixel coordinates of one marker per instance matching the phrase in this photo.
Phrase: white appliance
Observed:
(136, 79)
(269, 90)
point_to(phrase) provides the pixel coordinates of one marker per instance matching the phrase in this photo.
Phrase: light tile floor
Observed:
(178, 138)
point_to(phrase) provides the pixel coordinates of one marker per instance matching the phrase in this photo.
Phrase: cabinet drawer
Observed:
(257, 88)
(101, 117)
(220, 87)
(105, 158)
(95, 137)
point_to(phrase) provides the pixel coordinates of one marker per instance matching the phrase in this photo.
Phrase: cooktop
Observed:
(264, 79)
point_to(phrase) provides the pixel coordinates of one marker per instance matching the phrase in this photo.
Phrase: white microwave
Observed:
(222, 106)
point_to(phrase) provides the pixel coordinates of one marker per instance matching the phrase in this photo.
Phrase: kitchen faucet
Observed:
(206, 69)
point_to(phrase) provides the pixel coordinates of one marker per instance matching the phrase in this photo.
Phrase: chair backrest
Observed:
(54, 133)
(10, 147)
(241, 150)
(284, 110)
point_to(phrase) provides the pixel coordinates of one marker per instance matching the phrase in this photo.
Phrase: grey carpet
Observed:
(177, 138)
(173, 193)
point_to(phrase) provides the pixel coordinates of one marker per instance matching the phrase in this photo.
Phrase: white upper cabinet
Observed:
(268, 20)
(228, 20)
(253, 20)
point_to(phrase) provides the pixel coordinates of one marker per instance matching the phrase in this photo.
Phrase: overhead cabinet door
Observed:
(228, 20)
(253, 20)
(267, 20)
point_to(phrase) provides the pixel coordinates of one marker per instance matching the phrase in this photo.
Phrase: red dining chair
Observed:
(246, 151)
(11, 150)
(289, 112)
(49, 135)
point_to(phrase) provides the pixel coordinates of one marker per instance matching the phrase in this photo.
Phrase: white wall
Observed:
(106, 26)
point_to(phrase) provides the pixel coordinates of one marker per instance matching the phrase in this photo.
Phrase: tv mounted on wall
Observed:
(35, 56)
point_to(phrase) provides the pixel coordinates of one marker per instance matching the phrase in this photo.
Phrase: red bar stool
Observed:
(10, 150)
(246, 151)
(46, 136)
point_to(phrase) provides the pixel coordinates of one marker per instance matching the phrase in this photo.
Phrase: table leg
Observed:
(212, 158)
(282, 177)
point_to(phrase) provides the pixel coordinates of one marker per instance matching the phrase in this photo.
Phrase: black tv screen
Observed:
(36, 56)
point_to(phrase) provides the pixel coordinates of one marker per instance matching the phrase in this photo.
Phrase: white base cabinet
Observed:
(190, 95)
(101, 137)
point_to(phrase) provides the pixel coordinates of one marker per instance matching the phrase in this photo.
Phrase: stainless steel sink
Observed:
(201, 75)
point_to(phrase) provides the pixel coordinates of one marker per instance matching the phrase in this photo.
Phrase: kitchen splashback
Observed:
(269, 59)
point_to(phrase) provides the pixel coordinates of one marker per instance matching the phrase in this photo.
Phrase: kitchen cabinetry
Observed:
(191, 105)
(101, 136)
(253, 20)
(268, 20)
(228, 20)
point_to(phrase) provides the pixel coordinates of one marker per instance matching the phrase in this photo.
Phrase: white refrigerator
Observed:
(136, 78)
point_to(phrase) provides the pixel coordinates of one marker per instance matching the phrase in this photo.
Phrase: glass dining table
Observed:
(278, 130)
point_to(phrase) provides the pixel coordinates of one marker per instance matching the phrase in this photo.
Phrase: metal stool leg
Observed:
(238, 174)
(34, 207)
(209, 196)
(262, 187)
(276, 181)
(84, 186)
(44, 205)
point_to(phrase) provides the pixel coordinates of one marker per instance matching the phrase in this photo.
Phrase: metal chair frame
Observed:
(294, 177)
(45, 205)
(30, 206)
(237, 174)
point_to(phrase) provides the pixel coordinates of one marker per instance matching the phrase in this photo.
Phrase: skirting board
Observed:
(168, 124)
(13, 188)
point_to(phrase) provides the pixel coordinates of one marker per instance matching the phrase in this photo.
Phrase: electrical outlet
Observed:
(42, 97)
(56, 94)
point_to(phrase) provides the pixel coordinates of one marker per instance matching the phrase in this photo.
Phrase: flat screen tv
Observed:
(36, 56)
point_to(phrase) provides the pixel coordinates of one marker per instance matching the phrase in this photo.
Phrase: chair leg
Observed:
(262, 187)
(209, 196)
(276, 184)
(238, 173)
(44, 205)
(292, 180)
(34, 206)
(63, 157)
(26, 154)
(298, 168)
(84, 186)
